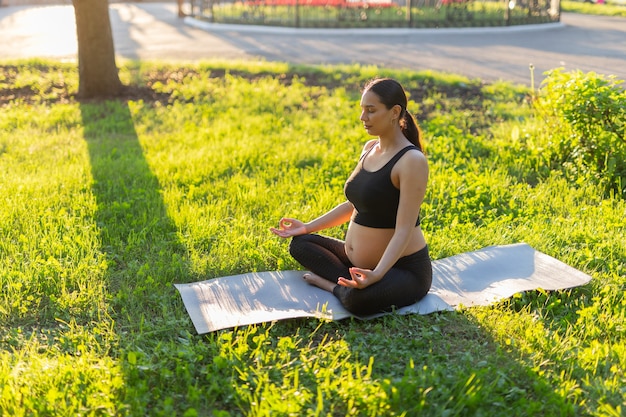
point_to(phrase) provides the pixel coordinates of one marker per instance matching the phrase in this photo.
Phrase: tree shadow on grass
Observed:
(143, 251)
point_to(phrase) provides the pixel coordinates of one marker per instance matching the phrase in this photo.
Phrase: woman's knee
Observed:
(304, 247)
(297, 245)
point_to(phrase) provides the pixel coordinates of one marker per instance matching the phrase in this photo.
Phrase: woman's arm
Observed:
(288, 227)
(335, 217)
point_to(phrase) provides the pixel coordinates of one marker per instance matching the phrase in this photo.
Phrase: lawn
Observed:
(105, 204)
(608, 8)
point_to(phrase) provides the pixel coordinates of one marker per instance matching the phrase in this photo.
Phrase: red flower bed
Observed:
(321, 3)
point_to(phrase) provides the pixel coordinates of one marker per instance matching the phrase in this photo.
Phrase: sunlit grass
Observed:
(105, 205)
(609, 8)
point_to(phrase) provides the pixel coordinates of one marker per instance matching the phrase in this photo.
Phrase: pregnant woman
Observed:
(384, 262)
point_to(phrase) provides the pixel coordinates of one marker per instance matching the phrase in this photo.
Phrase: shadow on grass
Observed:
(140, 240)
(143, 252)
(447, 364)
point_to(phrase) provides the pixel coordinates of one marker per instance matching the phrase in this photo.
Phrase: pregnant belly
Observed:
(365, 245)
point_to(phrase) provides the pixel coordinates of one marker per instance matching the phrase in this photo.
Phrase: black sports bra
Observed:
(373, 195)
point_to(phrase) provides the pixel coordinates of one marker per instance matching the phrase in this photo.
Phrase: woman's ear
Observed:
(397, 111)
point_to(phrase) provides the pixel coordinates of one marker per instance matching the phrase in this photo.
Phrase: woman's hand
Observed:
(289, 227)
(361, 278)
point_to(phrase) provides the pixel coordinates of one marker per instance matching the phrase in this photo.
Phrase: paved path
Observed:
(153, 31)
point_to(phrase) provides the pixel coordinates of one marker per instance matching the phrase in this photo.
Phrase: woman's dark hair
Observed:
(390, 93)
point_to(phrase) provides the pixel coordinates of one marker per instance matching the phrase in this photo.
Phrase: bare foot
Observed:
(319, 281)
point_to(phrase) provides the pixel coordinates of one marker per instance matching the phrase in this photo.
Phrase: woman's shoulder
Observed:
(413, 159)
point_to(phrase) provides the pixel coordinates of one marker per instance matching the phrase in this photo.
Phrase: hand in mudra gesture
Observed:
(361, 278)
(289, 227)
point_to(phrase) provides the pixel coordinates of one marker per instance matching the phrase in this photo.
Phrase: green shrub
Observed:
(584, 120)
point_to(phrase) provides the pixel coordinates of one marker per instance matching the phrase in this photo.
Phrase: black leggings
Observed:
(407, 282)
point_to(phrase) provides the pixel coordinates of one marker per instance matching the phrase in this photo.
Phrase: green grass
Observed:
(105, 204)
(610, 8)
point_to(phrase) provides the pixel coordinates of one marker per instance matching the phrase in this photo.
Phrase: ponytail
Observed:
(410, 129)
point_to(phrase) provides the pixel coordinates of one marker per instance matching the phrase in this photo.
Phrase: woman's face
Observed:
(376, 118)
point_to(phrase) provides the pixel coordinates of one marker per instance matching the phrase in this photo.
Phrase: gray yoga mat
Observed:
(470, 279)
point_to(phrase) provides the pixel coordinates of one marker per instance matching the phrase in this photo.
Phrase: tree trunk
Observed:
(97, 71)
